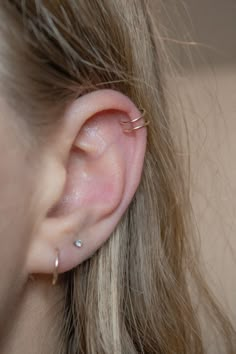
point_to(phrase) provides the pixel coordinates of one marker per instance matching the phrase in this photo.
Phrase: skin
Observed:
(78, 182)
(15, 216)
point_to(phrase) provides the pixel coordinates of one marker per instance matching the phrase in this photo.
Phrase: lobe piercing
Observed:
(56, 266)
(78, 243)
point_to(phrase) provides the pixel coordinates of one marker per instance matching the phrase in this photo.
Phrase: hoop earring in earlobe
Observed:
(56, 266)
(146, 122)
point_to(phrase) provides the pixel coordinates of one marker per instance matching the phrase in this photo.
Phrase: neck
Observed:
(35, 323)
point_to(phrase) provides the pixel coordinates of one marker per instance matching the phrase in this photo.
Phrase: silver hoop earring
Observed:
(56, 267)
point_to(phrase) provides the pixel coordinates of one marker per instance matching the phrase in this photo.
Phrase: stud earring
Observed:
(146, 122)
(78, 243)
(56, 267)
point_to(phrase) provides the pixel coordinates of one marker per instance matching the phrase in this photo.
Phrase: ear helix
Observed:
(146, 122)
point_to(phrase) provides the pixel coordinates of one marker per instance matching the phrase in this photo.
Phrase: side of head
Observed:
(68, 75)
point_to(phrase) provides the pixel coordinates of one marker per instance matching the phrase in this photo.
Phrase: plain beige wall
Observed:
(207, 86)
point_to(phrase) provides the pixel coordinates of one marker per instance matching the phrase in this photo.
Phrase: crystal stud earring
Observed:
(78, 243)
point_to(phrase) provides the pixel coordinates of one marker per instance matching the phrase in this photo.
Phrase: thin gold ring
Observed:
(56, 267)
(135, 119)
(146, 122)
(138, 127)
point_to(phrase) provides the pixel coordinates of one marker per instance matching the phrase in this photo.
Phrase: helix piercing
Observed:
(135, 120)
(78, 243)
(56, 266)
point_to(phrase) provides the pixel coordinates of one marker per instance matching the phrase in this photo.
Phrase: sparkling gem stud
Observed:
(78, 243)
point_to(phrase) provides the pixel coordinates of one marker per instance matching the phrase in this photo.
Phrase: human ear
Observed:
(91, 171)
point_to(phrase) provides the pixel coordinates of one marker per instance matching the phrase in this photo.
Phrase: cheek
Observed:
(15, 228)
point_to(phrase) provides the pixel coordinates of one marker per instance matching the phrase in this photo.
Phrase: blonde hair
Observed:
(133, 296)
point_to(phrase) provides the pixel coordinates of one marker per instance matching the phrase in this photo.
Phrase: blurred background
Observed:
(201, 40)
(210, 23)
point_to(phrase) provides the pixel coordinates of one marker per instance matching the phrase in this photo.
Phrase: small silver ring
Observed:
(56, 267)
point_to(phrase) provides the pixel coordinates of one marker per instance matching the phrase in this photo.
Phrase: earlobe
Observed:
(103, 167)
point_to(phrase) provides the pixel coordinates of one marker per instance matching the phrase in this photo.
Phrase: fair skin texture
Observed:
(77, 185)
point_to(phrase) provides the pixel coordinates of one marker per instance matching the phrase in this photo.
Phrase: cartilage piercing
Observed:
(146, 122)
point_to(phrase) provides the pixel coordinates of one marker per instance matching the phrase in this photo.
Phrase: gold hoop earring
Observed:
(56, 267)
(146, 122)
